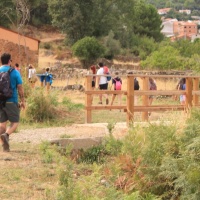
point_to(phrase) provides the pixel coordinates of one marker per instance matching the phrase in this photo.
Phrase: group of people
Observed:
(45, 79)
(101, 82)
(10, 108)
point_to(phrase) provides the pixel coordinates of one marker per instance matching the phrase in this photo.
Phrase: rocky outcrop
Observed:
(20, 54)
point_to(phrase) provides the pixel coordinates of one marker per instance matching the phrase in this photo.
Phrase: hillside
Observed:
(57, 52)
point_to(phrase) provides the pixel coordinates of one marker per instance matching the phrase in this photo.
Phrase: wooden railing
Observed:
(192, 92)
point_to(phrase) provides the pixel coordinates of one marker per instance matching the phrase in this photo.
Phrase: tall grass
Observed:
(49, 108)
(155, 162)
(41, 106)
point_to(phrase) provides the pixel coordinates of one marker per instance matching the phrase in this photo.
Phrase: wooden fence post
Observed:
(145, 98)
(188, 93)
(88, 99)
(195, 88)
(130, 99)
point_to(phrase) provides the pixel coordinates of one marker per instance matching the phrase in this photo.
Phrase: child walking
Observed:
(117, 82)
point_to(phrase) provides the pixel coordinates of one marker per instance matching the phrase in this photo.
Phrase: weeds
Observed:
(41, 107)
(45, 110)
(47, 152)
(70, 105)
(93, 155)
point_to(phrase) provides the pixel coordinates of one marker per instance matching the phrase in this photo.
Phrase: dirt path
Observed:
(36, 136)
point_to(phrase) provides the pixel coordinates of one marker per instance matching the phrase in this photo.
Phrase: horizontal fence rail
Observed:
(192, 93)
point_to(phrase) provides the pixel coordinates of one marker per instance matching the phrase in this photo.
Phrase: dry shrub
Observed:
(41, 106)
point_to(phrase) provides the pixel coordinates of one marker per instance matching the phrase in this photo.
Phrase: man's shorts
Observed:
(9, 112)
(103, 86)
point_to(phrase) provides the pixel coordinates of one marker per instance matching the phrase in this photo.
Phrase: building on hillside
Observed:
(187, 28)
(24, 49)
(195, 17)
(188, 12)
(168, 27)
(163, 11)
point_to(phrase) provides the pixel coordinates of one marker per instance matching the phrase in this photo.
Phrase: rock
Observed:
(78, 143)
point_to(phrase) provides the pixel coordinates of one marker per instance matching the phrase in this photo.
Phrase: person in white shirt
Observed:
(32, 75)
(102, 83)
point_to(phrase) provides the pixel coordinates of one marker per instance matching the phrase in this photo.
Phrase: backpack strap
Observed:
(115, 80)
(10, 70)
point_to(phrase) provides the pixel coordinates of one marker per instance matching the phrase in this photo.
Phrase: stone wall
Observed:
(64, 73)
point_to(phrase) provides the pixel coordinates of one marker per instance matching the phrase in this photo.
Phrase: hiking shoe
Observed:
(5, 139)
(107, 101)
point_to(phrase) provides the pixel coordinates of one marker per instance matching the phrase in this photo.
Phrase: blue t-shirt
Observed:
(48, 78)
(15, 80)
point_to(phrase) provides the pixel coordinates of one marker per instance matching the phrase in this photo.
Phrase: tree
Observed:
(112, 46)
(147, 21)
(74, 17)
(143, 46)
(88, 50)
(39, 12)
(8, 13)
(165, 58)
(78, 18)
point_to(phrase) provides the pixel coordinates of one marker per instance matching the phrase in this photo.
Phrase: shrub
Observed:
(88, 50)
(93, 155)
(47, 46)
(47, 152)
(40, 106)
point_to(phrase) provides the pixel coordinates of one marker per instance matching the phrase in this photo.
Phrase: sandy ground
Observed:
(36, 136)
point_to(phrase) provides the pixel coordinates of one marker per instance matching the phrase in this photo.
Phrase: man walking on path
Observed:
(102, 82)
(10, 108)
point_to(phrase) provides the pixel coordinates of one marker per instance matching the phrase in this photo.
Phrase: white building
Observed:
(163, 11)
(168, 29)
(188, 12)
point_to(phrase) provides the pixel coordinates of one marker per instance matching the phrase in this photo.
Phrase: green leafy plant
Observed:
(41, 106)
(113, 146)
(72, 106)
(47, 152)
(94, 154)
(112, 46)
(88, 50)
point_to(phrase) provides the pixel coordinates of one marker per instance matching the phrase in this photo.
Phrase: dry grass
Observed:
(25, 176)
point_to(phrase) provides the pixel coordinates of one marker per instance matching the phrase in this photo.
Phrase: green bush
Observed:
(88, 50)
(113, 146)
(41, 106)
(47, 152)
(94, 154)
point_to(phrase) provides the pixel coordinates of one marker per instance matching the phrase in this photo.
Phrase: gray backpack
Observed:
(5, 88)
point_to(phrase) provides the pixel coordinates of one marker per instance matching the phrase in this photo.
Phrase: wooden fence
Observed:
(192, 92)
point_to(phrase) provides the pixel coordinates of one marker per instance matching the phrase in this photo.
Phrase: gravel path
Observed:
(36, 136)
